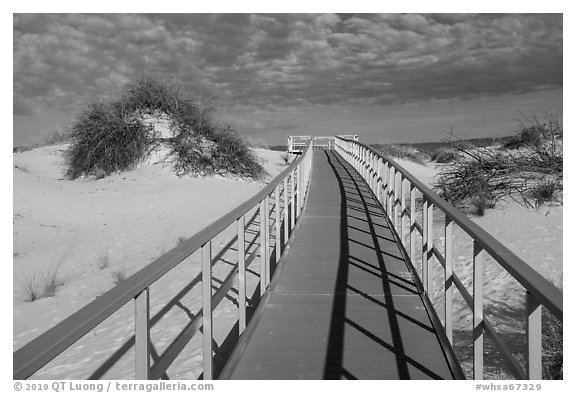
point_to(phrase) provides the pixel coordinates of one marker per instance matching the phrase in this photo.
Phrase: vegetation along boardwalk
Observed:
(344, 304)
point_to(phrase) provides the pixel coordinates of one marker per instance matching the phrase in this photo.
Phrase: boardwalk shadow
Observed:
(225, 258)
(377, 314)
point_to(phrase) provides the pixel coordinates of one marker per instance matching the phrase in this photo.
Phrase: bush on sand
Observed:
(530, 173)
(114, 136)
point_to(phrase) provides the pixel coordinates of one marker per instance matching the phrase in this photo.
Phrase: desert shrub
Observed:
(483, 175)
(150, 94)
(443, 156)
(479, 203)
(544, 192)
(113, 136)
(106, 138)
(529, 136)
(405, 152)
(41, 284)
(530, 175)
(230, 154)
(222, 151)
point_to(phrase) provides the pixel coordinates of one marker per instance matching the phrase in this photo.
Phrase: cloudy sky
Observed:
(390, 78)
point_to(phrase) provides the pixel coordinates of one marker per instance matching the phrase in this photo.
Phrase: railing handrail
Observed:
(38, 352)
(542, 289)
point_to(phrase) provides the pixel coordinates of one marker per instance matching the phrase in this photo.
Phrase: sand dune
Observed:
(91, 229)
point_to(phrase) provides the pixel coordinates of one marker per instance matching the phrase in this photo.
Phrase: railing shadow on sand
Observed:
(398, 192)
(263, 227)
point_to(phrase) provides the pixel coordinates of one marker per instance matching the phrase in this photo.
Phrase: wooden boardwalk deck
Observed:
(343, 304)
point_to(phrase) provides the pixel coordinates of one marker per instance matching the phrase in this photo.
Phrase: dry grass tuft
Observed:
(41, 284)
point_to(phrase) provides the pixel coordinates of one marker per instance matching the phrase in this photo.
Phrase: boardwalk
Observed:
(343, 304)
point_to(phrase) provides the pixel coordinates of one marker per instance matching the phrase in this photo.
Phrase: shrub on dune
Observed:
(114, 136)
(105, 139)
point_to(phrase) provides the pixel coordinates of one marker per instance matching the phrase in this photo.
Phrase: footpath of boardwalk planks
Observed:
(343, 304)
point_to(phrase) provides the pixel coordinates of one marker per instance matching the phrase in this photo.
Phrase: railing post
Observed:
(286, 215)
(263, 246)
(391, 197)
(361, 161)
(425, 244)
(478, 312)
(277, 221)
(207, 309)
(368, 169)
(369, 164)
(373, 171)
(412, 223)
(385, 188)
(241, 225)
(448, 277)
(403, 211)
(293, 195)
(365, 162)
(298, 189)
(267, 238)
(379, 179)
(397, 196)
(534, 336)
(429, 249)
(142, 334)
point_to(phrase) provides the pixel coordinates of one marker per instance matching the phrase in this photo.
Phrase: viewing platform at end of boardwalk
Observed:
(344, 303)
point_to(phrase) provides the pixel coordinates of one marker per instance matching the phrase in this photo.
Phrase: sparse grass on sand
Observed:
(405, 152)
(103, 261)
(41, 284)
(119, 275)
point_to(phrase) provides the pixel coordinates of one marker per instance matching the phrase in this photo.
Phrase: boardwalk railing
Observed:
(297, 143)
(284, 196)
(396, 189)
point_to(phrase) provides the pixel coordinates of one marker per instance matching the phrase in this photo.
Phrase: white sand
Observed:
(134, 217)
(535, 235)
(126, 219)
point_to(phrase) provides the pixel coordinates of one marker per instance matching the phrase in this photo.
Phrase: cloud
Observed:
(269, 61)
